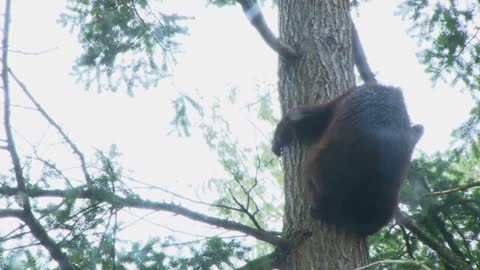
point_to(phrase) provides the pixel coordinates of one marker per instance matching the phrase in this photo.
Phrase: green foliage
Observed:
(128, 44)
(251, 172)
(143, 257)
(215, 252)
(452, 219)
(221, 3)
(121, 39)
(467, 135)
(181, 122)
(448, 33)
(251, 190)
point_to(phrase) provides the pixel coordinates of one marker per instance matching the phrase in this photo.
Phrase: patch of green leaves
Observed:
(126, 43)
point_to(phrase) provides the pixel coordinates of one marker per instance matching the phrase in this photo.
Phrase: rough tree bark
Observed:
(320, 32)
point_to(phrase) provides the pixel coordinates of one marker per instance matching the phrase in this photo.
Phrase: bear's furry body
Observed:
(360, 147)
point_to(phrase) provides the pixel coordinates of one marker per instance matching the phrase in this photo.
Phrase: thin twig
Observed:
(6, 106)
(52, 122)
(150, 186)
(32, 53)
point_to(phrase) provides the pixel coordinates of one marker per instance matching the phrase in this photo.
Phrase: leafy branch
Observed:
(95, 194)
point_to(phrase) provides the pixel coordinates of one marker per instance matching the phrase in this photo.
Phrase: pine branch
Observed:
(446, 254)
(264, 262)
(41, 235)
(107, 197)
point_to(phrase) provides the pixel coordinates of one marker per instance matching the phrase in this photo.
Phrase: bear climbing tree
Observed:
(360, 147)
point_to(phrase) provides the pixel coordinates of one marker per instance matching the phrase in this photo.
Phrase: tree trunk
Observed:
(320, 31)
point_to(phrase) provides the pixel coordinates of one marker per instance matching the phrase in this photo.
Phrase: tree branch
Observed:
(104, 196)
(255, 16)
(218, 205)
(41, 235)
(461, 188)
(53, 248)
(52, 122)
(26, 215)
(446, 254)
(360, 58)
(17, 168)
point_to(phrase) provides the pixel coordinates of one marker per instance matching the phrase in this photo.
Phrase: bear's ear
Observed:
(416, 133)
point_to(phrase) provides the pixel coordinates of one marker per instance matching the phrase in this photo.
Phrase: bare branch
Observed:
(53, 167)
(6, 106)
(150, 186)
(107, 197)
(26, 215)
(31, 53)
(360, 58)
(52, 122)
(255, 16)
(242, 208)
(461, 188)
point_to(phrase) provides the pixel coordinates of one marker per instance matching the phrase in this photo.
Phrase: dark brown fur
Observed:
(360, 149)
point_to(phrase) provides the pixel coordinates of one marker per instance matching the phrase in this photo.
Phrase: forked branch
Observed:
(52, 122)
(25, 214)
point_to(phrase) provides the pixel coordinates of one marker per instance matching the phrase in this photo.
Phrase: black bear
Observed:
(359, 151)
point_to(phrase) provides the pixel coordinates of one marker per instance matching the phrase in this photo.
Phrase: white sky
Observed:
(222, 51)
